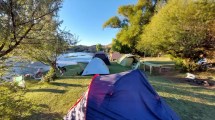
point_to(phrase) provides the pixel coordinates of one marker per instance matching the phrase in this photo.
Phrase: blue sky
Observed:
(86, 17)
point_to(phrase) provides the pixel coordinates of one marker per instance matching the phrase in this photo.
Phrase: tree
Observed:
(98, 47)
(132, 23)
(19, 18)
(19, 21)
(119, 47)
(183, 29)
(49, 44)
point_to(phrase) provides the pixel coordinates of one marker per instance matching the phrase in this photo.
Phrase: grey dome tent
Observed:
(96, 66)
(128, 60)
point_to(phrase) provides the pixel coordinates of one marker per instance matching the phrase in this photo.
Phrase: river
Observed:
(66, 59)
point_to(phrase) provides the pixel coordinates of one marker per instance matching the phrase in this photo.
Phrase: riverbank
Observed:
(31, 67)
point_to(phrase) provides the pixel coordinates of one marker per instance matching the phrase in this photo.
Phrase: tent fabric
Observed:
(124, 96)
(128, 60)
(77, 112)
(115, 56)
(103, 56)
(96, 66)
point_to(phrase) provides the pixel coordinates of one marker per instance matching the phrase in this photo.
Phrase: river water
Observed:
(66, 59)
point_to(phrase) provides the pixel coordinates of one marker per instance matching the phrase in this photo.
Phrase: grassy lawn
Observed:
(58, 96)
(189, 101)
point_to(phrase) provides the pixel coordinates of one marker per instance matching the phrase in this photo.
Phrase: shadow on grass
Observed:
(195, 82)
(161, 62)
(183, 92)
(76, 77)
(45, 116)
(66, 84)
(188, 110)
(190, 102)
(48, 90)
(40, 115)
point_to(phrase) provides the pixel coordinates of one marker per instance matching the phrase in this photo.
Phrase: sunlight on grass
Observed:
(165, 58)
(60, 95)
(190, 102)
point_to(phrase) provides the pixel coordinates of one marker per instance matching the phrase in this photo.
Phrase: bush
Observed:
(13, 105)
(50, 76)
(186, 65)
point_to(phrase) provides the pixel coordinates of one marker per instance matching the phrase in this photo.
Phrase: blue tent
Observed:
(123, 96)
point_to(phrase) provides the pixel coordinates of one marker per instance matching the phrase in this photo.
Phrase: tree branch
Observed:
(3, 53)
(38, 17)
(13, 21)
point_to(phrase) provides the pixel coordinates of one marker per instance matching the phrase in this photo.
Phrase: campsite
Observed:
(107, 60)
(189, 101)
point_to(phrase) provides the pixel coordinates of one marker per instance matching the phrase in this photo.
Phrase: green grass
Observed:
(58, 96)
(61, 94)
(116, 68)
(190, 102)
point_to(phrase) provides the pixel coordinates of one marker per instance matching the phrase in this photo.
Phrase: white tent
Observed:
(96, 66)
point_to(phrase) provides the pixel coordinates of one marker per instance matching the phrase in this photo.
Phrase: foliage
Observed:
(113, 22)
(50, 76)
(119, 47)
(183, 29)
(22, 25)
(19, 19)
(132, 22)
(14, 106)
(48, 45)
(99, 47)
(49, 48)
(82, 48)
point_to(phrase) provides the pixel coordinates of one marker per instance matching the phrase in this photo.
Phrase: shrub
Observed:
(13, 105)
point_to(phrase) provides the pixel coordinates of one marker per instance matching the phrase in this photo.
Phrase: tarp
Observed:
(123, 96)
(115, 56)
(19, 80)
(103, 56)
(96, 66)
(128, 60)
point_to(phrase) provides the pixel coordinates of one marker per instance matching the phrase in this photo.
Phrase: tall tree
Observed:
(48, 45)
(183, 29)
(132, 23)
(119, 47)
(19, 18)
(98, 47)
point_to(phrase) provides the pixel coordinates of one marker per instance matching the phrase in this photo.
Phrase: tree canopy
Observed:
(132, 20)
(183, 29)
(98, 47)
(20, 18)
(32, 28)
(119, 47)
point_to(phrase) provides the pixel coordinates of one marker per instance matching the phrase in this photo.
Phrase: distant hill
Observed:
(84, 48)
